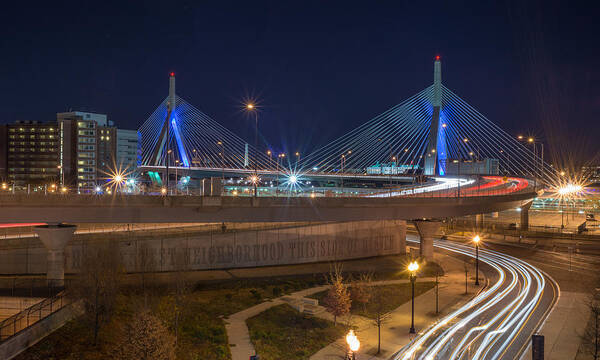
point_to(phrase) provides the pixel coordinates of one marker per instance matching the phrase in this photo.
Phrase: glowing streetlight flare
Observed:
(250, 106)
(352, 341)
(570, 189)
(476, 239)
(413, 266)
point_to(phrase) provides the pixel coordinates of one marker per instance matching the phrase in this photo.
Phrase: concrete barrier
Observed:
(217, 250)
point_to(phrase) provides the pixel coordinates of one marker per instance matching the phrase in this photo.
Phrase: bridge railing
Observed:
(477, 186)
(22, 320)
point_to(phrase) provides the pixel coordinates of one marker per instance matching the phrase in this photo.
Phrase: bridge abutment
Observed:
(427, 229)
(400, 237)
(525, 216)
(55, 239)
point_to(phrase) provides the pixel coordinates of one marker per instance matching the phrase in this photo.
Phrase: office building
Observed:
(29, 153)
(79, 151)
(127, 149)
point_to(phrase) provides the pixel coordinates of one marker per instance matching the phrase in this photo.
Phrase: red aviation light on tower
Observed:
(437, 58)
(172, 74)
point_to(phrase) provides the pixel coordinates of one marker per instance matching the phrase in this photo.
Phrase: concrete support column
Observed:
(525, 216)
(479, 221)
(55, 238)
(428, 229)
(399, 236)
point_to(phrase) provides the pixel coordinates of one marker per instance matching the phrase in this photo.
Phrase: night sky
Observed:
(318, 69)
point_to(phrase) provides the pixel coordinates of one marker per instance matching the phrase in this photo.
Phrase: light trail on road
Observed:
(497, 322)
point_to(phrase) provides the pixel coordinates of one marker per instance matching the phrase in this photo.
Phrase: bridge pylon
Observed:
(433, 148)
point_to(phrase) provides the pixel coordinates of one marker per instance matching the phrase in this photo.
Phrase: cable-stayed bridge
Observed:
(433, 133)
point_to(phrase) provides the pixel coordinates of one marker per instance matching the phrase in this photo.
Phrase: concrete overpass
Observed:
(56, 210)
(21, 208)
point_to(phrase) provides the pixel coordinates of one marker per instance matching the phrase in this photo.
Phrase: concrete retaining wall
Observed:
(314, 243)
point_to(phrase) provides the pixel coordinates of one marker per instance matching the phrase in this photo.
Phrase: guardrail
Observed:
(22, 320)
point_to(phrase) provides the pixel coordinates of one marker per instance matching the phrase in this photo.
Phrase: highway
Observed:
(495, 324)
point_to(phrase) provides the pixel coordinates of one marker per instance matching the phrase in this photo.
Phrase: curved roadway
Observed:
(495, 324)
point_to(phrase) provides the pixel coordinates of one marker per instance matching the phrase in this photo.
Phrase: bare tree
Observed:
(145, 338)
(591, 336)
(337, 301)
(98, 283)
(380, 315)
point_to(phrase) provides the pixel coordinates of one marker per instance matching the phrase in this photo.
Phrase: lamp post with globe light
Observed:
(252, 108)
(413, 267)
(476, 241)
(353, 345)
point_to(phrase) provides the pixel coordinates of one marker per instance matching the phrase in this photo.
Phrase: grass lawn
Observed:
(201, 331)
(392, 297)
(283, 333)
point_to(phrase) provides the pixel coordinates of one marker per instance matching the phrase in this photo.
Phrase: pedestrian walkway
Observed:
(563, 328)
(237, 330)
(394, 331)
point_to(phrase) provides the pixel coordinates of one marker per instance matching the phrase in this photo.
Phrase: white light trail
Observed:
(491, 338)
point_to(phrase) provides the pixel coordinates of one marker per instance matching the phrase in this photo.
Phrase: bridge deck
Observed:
(145, 209)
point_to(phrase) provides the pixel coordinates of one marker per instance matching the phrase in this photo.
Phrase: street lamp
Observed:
(353, 345)
(413, 267)
(222, 144)
(167, 166)
(476, 240)
(252, 108)
(61, 174)
(343, 161)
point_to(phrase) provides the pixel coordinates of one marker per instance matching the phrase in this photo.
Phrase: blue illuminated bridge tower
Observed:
(435, 160)
(170, 125)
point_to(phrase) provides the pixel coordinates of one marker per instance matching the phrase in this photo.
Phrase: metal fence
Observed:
(22, 320)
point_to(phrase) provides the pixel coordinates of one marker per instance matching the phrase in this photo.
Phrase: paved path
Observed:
(394, 332)
(237, 330)
(563, 327)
